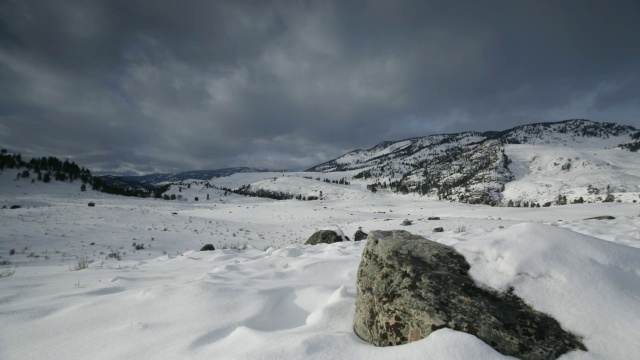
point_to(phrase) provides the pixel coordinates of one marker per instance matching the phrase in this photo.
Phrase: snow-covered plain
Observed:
(277, 298)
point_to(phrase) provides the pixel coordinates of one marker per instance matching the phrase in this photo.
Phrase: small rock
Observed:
(16, 206)
(91, 204)
(359, 235)
(406, 222)
(323, 237)
(433, 218)
(438, 229)
(207, 247)
(602, 217)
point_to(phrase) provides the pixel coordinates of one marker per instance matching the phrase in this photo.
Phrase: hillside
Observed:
(477, 167)
(262, 294)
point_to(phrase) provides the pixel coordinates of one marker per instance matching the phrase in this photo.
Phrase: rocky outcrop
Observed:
(359, 235)
(324, 237)
(409, 286)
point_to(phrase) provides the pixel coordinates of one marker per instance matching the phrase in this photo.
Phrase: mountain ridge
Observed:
(472, 166)
(506, 136)
(193, 174)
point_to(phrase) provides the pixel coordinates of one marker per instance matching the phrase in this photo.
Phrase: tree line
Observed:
(44, 169)
(47, 169)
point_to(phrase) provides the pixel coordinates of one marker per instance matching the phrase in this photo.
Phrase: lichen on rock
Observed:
(409, 286)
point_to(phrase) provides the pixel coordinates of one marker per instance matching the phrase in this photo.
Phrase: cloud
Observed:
(129, 86)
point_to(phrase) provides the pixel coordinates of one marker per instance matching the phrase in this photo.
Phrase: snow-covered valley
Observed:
(148, 292)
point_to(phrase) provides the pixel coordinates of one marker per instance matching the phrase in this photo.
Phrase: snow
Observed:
(543, 172)
(276, 298)
(590, 285)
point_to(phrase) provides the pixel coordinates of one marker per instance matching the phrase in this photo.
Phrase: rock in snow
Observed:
(602, 217)
(359, 235)
(207, 247)
(409, 286)
(324, 237)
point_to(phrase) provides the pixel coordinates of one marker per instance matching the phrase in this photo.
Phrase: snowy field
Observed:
(275, 298)
(543, 172)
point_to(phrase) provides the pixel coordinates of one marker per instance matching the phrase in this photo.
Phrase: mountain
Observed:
(476, 167)
(191, 175)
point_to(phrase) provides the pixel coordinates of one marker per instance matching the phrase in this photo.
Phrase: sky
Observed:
(137, 87)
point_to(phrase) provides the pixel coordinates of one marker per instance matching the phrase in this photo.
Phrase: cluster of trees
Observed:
(44, 169)
(519, 203)
(560, 200)
(455, 170)
(103, 185)
(47, 169)
(307, 198)
(634, 146)
(363, 175)
(342, 181)
(377, 185)
(246, 191)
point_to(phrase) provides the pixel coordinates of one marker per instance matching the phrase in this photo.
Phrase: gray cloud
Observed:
(138, 86)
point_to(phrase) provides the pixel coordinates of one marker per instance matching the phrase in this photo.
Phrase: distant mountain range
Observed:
(473, 166)
(527, 164)
(151, 182)
(191, 175)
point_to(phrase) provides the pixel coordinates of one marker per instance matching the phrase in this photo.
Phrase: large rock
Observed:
(324, 237)
(409, 286)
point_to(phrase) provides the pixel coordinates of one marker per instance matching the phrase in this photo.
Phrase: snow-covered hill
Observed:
(477, 167)
(147, 293)
(542, 173)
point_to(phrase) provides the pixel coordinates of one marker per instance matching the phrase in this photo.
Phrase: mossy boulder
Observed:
(408, 287)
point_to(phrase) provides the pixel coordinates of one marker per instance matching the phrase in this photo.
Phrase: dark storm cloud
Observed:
(142, 86)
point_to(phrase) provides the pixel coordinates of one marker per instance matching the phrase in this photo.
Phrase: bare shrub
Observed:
(82, 262)
(460, 229)
(7, 273)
